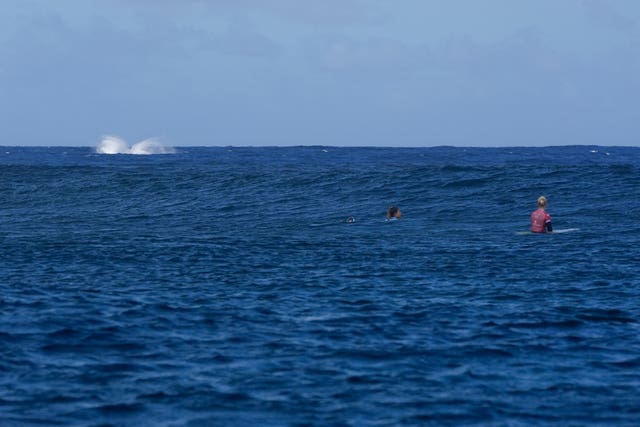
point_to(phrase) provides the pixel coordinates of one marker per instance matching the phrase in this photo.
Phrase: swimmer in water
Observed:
(540, 219)
(351, 220)
(393, 213)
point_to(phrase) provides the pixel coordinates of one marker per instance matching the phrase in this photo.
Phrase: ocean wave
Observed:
(226, 284)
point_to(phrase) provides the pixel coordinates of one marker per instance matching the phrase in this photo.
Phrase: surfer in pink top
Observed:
(540, 219)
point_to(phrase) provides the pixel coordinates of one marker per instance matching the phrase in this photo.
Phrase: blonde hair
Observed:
(542, 202)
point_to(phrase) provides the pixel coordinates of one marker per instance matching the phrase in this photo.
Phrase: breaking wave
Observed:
(115, 145)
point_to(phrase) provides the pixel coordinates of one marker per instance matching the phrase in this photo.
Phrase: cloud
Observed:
(243, 43)
(334, 70)
(332, 13)
(46, 44)
(605, 14)
(369, 55)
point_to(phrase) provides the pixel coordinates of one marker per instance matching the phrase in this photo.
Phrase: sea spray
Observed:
(151, 146)
(115, 145)
(112, 145)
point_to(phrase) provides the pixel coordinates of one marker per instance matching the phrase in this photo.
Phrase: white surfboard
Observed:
(565, 230)
(558, 231)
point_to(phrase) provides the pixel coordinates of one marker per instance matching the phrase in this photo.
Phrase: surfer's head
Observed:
(394, 212)
(542, 202)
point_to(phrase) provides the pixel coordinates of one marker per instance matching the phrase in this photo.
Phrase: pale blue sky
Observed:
(328, 72)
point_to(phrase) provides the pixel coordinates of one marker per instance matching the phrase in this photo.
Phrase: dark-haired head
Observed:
(393, 212)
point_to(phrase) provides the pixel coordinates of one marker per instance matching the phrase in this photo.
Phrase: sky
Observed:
(320, 72)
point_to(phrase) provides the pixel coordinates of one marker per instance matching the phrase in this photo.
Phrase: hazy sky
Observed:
(329, 72)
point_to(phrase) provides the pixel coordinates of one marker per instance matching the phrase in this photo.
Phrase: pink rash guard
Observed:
(540, 221)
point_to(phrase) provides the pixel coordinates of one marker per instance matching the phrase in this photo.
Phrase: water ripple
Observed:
(224, 287)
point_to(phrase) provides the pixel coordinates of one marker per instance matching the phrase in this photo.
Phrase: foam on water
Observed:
(111, 144)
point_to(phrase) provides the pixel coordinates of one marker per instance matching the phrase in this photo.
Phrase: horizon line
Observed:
(343, 146)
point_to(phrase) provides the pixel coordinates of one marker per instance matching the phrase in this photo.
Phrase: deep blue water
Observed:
(222, 286)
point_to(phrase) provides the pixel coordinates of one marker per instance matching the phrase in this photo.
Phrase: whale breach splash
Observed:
(115, 145)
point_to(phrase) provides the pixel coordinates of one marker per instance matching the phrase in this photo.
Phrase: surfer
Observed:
(540, 219)
(393, 213)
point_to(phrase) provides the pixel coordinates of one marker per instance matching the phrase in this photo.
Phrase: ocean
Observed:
(223, 286)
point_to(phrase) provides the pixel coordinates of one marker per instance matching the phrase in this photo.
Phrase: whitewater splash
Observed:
(115, 145)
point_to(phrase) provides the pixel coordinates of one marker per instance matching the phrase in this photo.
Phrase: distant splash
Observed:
(115, 145)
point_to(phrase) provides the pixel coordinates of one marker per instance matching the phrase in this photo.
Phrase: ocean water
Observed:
(223, 286)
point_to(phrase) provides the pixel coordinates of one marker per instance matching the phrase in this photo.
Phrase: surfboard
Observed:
(565, 230)
(559, 231)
